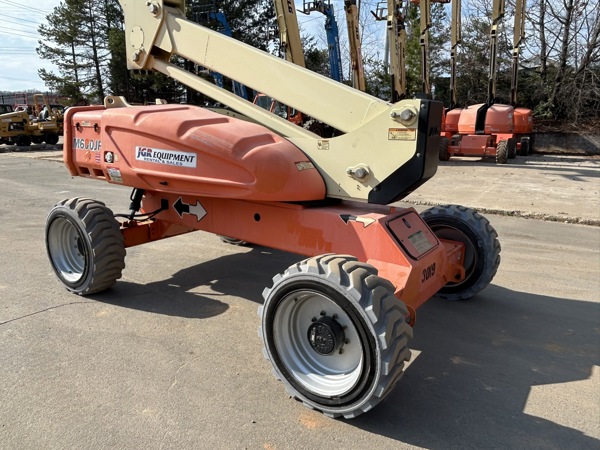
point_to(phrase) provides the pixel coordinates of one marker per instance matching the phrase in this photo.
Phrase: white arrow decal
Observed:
(194, 210)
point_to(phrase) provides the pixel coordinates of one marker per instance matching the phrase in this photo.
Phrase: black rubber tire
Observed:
(315, 126)
(85, 245)
(51, 138)
(502, 152)
(22, 140)
(232, 241)
(532, 144)
(511, 148)
(524, 146)
(376, 327)
(482, 248)
(444, 144)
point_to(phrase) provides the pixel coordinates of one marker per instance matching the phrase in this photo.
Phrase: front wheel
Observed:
(335, 333)
(502, 152)
(85, 245)
(482, 248)
(444, 144)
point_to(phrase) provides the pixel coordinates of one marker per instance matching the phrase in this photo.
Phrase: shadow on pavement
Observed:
(243, 275)
(480, 358)
(29, 148)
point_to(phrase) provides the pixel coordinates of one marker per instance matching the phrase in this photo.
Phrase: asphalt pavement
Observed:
(562, 188)
(170, 357)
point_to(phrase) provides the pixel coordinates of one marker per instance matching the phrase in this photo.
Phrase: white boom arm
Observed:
(387, 149)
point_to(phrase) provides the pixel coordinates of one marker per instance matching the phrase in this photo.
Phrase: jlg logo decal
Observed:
(428, 273)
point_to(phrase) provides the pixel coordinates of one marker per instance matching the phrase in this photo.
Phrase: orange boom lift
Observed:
(335, 325)
(486, 129)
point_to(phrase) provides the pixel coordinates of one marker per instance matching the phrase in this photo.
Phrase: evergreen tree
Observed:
(77, 32)
(62, 31)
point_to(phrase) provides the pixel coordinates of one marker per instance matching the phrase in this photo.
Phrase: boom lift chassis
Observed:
(335, 326)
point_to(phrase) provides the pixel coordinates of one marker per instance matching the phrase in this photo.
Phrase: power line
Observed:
(17, 23)
(14, 33)
(2, 77)
(18, 5)
(17, 53)
(22, 20)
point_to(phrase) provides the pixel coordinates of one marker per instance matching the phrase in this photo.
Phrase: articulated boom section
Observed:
(385, 148)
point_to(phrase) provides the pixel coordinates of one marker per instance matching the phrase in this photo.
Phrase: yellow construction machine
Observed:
(18, 128)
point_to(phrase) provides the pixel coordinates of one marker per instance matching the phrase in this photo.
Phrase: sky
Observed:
(19, 62)
(19, 20)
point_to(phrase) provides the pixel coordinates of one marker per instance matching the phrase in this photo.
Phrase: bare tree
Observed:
(566, 48)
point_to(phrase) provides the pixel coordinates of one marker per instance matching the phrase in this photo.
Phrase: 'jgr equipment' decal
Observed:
(166, 157)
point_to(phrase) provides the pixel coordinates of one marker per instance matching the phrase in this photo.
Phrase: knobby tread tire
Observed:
(372, 298)
(524, 146)
(502, 152)
(485, 242)
(511, 148)
(314, 126)
(104, 240)
(444, 144)
(51, 138)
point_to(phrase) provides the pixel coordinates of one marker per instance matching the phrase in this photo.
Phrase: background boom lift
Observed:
(523, 117)
(208, 13)
(452, 114)
(289, 33)
(336, 325)
(333, 36)
(487, 129)
(356, 62)
(292, 44)
(392, 12)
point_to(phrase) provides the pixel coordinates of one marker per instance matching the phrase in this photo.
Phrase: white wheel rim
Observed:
(324, 375)
(66, 249)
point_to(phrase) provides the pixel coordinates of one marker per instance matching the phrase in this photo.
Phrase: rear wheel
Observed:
(502, 152)
(511, 148)
(524, 146)
(22, 140)
(51, 138)
(315, 126)
(444, 144)
(335, 333)
(85, 245)
(482, 248)
(232, 241)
